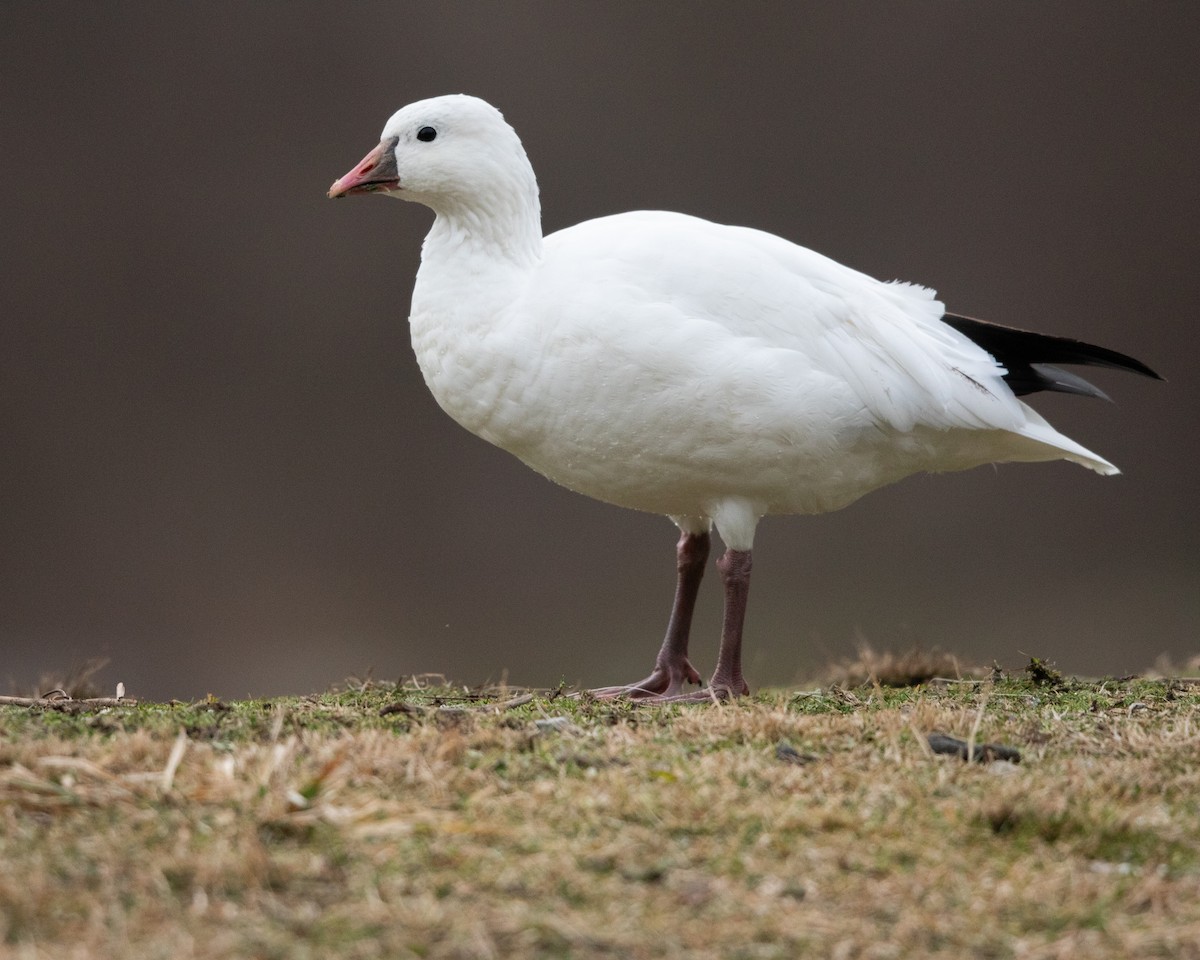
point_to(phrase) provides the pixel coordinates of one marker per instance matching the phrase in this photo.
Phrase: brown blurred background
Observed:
(222, 471)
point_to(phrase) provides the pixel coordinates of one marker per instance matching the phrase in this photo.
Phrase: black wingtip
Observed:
(1058, 380)
(1030, 357)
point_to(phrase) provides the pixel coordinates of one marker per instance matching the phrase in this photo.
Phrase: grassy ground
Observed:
(416, 822)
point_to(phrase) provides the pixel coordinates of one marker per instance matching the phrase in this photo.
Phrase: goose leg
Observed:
(672, 668)
(727, 679)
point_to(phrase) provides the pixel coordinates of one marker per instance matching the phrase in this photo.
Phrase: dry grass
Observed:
(906, 668)
(454, 828)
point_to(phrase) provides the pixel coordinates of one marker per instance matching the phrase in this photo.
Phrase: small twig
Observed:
(788, 754)
(66, 703)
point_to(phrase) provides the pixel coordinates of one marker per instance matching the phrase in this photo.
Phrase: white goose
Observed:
(714, 374)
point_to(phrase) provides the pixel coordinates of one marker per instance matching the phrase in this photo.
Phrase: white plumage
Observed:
(661, 362)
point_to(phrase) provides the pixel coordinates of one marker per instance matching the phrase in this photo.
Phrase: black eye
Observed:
(425, 134)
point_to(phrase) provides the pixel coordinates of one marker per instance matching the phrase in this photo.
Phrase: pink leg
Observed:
(727, 680)
(672, 668)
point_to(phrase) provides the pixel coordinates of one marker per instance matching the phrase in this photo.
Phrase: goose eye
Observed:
(425, 134)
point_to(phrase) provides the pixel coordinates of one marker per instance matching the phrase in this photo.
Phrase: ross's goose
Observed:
(714, 374)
